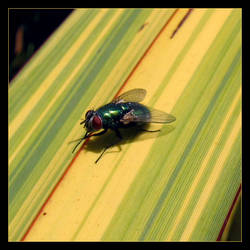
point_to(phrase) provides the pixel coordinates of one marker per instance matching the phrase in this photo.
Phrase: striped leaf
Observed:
(176, 185)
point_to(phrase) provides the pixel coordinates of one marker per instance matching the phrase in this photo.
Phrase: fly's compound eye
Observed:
(96, 122)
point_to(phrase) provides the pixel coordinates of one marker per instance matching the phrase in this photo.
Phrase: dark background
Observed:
(28, 30)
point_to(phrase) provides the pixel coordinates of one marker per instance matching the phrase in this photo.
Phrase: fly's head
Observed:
(92, 122)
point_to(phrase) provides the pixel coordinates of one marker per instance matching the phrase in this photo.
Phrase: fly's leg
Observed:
(87, 135)
(118, 134)
(111, 145)
(107, 147)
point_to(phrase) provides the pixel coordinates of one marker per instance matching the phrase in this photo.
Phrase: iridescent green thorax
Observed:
(112, 114)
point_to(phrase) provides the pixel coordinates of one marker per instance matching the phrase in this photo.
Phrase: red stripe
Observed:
(229, 213)
(181, 23)
(67, 170)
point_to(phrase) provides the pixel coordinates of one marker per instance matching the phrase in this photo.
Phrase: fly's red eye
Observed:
(97, 122)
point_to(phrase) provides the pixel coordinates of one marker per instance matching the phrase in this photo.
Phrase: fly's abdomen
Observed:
(141, 113)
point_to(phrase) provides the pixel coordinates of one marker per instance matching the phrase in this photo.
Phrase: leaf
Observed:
(176, 185)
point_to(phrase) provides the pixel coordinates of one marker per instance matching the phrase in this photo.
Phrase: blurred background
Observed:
(29, 29)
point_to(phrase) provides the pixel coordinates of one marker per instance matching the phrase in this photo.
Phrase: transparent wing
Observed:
(133, 95)
(156, 116)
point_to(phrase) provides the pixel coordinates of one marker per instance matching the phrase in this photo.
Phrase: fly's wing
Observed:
(154, 116)
(133, 95)
(158, 116)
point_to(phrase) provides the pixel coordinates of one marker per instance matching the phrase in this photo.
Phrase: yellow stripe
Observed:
(24, 112)
(203, 167)
(211, 183)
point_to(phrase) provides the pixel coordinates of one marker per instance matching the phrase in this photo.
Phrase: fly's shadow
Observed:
(129, 135)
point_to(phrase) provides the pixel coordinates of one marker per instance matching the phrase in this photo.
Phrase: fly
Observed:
(123, 112)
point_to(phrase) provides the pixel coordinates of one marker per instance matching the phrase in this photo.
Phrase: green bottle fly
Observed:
(123, 112)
